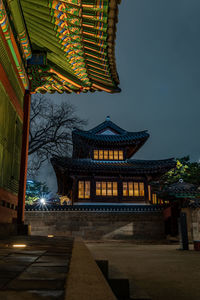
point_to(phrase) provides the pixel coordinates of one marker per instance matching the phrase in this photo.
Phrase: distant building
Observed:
(101, 169)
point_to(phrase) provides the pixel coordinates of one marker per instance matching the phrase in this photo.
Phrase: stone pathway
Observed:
(37, 271)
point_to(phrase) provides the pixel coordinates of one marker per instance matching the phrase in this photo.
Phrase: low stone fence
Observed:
(93, 225)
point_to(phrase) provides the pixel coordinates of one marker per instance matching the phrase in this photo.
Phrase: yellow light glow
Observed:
(50, 235)
(19, 245)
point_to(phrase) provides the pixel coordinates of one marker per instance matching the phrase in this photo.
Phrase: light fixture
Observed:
(50, 235)
(19, 245)
(43, 201)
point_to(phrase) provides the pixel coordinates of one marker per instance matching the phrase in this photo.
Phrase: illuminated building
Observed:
(102, 170)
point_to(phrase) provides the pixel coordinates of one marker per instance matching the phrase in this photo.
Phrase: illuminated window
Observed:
(130, 188)
(98, 188)
(84, 189)
(108, 155)
(96, 154)
(125, 189)
(81, 189)
(149, 192)
(141, 188)
(106, 188)
(133, 189)
(115, 155)
(87, 189)
(109, 188)
(136, 189)
(154, 198)
(121, 156)
(103, 190)
(115, 190)
(100, 154)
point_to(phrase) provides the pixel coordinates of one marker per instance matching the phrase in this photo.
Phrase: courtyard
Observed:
(157, 272)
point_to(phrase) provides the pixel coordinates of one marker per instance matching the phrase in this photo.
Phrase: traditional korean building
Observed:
(47, 46)
(102, 170)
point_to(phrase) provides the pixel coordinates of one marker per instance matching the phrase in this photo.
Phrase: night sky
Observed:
(158, 62)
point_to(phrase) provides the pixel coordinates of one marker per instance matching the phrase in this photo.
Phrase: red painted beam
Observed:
(11, 57)
(24, 159)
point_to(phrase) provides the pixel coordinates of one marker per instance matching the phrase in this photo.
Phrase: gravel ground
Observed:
(160, 271)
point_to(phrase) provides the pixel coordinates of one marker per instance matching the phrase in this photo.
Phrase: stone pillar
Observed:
(24, 159)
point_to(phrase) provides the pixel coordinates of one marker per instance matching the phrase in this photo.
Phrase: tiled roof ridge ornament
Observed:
(108, 118)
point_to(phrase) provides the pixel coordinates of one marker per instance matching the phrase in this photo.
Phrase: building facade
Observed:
(47, 46)
(102, 170)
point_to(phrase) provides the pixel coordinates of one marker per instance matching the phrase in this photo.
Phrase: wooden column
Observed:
(120, 189)
(74, 190)
(24, 159)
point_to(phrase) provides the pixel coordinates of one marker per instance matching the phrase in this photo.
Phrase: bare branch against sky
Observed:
(158, 61)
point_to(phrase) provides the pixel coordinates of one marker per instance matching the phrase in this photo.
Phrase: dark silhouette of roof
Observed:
(119, 137)
(181, 189)
(131, 165)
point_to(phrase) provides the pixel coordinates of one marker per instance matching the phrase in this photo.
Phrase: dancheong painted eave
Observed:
(73, 45)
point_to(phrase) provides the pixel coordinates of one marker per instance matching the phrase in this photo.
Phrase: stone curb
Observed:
(85, 280)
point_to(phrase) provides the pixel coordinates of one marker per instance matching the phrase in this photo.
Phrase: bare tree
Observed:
(50, 130)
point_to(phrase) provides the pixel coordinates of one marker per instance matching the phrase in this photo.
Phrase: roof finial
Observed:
(108, 118)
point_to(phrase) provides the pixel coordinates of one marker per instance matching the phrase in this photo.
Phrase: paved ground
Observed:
(160, 271)
(38, 271)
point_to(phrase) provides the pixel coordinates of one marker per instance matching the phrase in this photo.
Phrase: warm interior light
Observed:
(19, 245)
(50, 235)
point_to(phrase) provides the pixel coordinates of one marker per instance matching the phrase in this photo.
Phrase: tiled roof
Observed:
(122, 136)
(107, 124)
(181, 189)
(128, 138)
(131, 165)
(73, 45)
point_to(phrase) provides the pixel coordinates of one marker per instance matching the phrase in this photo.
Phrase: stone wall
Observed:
(97, 225)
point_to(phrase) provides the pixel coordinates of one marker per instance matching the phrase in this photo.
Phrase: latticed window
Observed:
(106, 188)
(10, 143)
(108, 155)
(84, 189)
(133, 189)
(154, 198)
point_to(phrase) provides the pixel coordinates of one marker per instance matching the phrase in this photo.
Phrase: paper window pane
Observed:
(115, 190)
(111, 154)
(98, 188)
(136, 189)
(87, 189)
(115, 155)
(141, 186)
(121, 156)
(103, 188)
(109, 188)
(106, 154)
(154, 199)
(130, 188)
(96, 156)
(100, 154)
(125, 189)
(81, 189)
